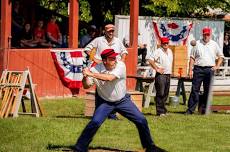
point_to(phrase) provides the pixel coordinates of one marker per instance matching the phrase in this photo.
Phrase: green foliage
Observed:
(85, 14)
(60, 6)
(108, 16)
(185, 8)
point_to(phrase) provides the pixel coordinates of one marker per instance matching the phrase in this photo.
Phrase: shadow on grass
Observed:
(53, 147)
(96, 149)
(178, 112)
(149, 114)
(60, 147)
(75, 116)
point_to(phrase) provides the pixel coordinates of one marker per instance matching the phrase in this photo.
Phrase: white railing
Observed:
(224, 70)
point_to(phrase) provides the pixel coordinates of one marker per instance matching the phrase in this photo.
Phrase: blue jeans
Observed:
(127, 109)
(112, 115)
(200, 74)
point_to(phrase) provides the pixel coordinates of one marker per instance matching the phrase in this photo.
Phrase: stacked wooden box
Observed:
(180, 60)
(136, 96)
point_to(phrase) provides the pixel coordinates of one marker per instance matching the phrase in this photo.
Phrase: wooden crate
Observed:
(89, 103)
(136, 96)
(180, 60)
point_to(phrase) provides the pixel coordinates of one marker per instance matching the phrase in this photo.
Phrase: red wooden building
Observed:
(40, 62)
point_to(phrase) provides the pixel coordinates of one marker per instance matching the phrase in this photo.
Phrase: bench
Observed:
(139, 87)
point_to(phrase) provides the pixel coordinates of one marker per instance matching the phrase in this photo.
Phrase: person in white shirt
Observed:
(110, 79)
(161, 60)
(202, 66)
(105, 42)
(108, 41)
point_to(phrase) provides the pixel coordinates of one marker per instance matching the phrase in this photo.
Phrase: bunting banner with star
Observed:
(177, 32)
(69, 65)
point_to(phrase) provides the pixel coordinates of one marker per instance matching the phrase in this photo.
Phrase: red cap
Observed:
(108, 53)
(109, 27)
(164, 40)
(206, 30)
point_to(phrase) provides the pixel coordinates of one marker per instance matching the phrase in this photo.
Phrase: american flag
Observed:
(69, 65)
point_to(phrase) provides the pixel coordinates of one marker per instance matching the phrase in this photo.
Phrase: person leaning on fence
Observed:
(161, 60)
(54, 35)
(105, 42)
(110, 79)
(202, 66)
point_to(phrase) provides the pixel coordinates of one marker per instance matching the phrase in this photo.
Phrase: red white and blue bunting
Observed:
(69, 65)
(175, 31)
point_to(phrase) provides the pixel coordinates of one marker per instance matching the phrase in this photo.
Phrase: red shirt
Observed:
(39, 33)
(53, 29)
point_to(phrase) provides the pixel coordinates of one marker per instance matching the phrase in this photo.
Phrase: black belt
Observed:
(203, 67)
(162, 74)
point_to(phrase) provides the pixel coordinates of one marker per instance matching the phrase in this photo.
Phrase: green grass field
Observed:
(64, 121)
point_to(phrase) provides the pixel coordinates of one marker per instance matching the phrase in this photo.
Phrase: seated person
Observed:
(53, 33)
(39, 35)
(142, 47)
(26, 39)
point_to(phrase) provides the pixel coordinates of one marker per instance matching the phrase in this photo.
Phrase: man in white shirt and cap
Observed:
(202, 66)
(161, 60)
(110, 79)
(108, 41)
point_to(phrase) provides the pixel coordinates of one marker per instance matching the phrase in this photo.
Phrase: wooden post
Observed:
(5, 33)
(73, 23)
(134, 13)
(133, 36)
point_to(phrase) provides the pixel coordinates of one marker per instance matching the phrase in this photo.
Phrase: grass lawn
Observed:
(64, 121)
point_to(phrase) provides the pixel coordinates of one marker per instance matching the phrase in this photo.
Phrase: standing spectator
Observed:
(17, 23)
(27, 37)
(91, 34)
(110, 79)
(202, 66)
(226, 48)
(161, 60)
(142, 47)
(53, 33)
(39, 35)
(105, 42)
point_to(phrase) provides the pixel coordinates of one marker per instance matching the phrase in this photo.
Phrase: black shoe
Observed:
(188, 113)
(155, 149)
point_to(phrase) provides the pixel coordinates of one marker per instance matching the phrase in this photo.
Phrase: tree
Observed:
(186, 8)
